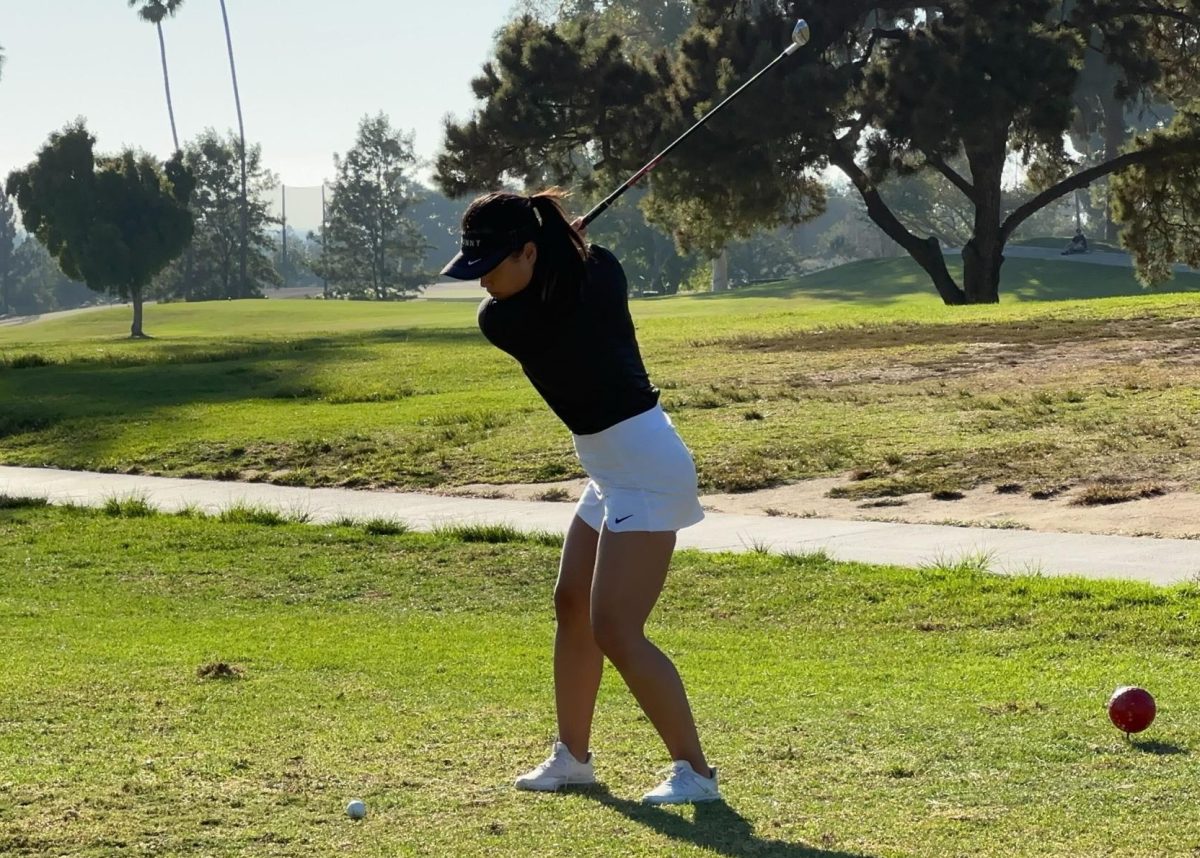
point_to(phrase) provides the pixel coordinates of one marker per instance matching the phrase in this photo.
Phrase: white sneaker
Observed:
(559, 770)
(684, 786)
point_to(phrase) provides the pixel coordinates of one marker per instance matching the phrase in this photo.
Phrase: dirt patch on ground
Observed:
(1175, 514)
(1041, 332)
(219, 670)
(1028, 349)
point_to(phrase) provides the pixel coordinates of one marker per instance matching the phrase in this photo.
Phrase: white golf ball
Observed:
(356, 809)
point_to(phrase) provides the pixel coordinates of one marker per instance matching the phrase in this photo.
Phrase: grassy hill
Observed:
(1058, 243)
(892, 282)
(1078, 374)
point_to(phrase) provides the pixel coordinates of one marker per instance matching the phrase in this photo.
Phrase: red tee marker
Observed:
(1131, 709)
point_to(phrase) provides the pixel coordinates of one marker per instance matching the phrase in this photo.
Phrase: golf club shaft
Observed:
(637, 177)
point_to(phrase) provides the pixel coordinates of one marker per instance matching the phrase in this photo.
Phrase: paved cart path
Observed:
(1158, 561)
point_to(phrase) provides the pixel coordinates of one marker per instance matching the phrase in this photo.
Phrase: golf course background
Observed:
(859, 369)
(183, 685)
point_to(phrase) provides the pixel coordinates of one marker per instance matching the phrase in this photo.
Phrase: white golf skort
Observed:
(643, 477)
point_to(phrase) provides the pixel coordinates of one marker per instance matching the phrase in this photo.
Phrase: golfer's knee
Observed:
(571, 605)
(618, 640)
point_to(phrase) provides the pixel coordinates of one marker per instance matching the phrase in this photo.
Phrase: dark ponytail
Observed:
(562, 252)
(561, 266)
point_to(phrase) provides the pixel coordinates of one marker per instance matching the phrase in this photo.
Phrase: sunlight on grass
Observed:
(244, 682)
(855, 368)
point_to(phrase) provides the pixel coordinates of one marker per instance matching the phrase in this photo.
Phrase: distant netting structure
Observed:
(300, 207)
(299, 211)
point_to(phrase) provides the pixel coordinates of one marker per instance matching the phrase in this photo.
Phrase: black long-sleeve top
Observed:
(580, 350)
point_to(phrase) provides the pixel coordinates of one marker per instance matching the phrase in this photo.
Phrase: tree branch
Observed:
(1073, 183)
(854, 132)
(876, 34)
(956, 179)
(1155, 10)
(925, 252)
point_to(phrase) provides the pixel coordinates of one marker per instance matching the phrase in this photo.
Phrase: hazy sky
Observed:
(308, 70)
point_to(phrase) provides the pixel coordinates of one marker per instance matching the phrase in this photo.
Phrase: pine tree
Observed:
(881, 91)
(211, 269)
(371, 247)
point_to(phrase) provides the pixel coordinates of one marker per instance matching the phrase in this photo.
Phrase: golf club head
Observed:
(800, 36)
(802, 33)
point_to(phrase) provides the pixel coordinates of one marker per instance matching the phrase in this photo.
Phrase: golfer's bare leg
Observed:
(578, 661)
(631, 568)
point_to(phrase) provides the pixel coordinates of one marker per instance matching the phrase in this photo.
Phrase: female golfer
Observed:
(561, 309)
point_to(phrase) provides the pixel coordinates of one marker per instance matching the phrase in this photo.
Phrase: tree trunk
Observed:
(926, 252)
(189, 271)
(283, 235)
(1114, 139)
(720, 272)
(136, 332)
(162, 47)
(376, 271)
(982, 257)
(5, 277)
(984, 251)
(242, 290)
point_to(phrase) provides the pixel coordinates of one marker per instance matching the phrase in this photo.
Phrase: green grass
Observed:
(1058, 243)
(183, 686)
(1078, 375)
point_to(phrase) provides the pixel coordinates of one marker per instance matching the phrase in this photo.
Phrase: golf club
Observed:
(800, 36)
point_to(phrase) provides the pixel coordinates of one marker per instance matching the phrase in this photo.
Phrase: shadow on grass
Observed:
(132, 382)
(123, 352)
(716, 826)
(1153, 746)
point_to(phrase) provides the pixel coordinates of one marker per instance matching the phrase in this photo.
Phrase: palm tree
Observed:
(242, 133)
(154, 11)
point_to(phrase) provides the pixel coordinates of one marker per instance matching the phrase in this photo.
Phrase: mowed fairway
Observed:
(179, 685)
(858, 369)
(854, 711)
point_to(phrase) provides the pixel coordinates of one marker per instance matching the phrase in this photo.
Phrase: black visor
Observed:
(483, 250)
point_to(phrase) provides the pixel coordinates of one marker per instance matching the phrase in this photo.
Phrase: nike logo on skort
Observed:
(626, 518)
